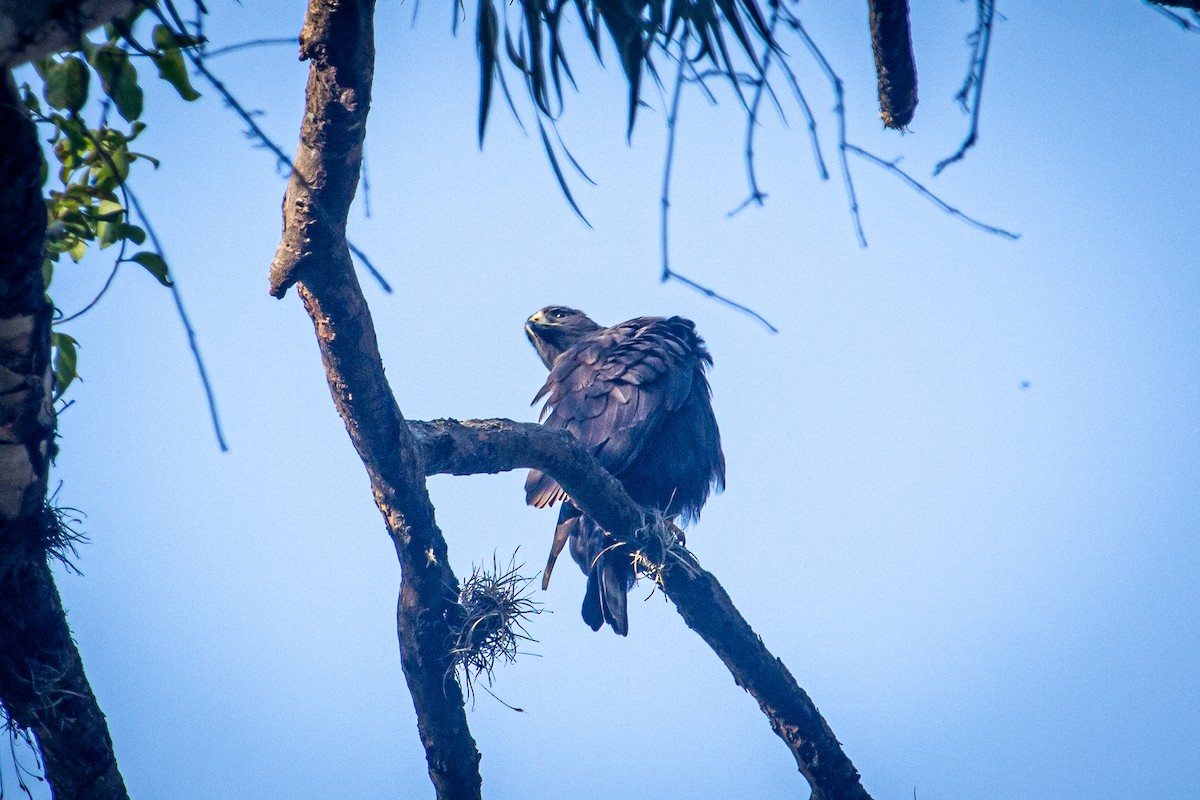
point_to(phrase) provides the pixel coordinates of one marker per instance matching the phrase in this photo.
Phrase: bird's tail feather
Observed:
(607, 597)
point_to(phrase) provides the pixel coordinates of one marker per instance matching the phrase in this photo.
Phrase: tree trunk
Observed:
(42, 684)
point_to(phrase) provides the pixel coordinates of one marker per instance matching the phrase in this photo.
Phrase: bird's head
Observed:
(553, 330)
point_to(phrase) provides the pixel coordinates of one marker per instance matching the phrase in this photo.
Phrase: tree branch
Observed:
(338, 38)
(499, 445)
(325, 170)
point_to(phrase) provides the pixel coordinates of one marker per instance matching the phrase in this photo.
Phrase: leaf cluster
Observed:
(90, 206)
(534, 42)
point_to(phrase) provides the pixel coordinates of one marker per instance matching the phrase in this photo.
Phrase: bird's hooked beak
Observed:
(537, 323)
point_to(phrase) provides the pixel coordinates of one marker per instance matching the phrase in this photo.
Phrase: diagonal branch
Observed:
(499, 445)
(338, 39)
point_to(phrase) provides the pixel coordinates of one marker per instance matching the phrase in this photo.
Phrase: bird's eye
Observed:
(557, 313)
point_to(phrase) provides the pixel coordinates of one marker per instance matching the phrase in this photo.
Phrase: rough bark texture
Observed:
(42, 683)
(891, 40)
(26, 381)
(30, 29)
(487, 446)
(337, 37)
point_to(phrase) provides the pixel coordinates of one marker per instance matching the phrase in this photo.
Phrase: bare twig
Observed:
(668, 161)
(809, 119)
(248, 45)
(893, 168)
(99, 295)
(193, 343)
(723, 300)
(259, 135)
(763, 85)
(839, 110)
(972, 89)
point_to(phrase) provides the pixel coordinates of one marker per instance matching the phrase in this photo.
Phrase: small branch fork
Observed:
(498, 445)
(969, 96)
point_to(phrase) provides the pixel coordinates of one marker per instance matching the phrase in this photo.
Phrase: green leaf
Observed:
(120, 160)
(106, 233)
(167, 39)
(155, 265)
(66, 361)
(110, 211)
(171, 69)
(67, 84)
(119, 80)
(163, 38)
(77, 250)
(131, 232)
(30, 99)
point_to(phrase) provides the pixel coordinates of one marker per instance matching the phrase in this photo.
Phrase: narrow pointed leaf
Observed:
(562, 182)
(486, 36)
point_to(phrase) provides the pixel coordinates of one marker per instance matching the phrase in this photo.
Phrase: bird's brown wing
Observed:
(612, 389)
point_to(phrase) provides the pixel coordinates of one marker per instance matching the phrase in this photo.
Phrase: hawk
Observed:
(637, 397)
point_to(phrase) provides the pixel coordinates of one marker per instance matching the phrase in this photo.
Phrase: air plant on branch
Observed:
(495, 604)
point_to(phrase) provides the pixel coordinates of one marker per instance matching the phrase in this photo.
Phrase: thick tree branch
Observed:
(42, 684)
(338, 38)
(891, 40)
(498, 445)
(30, 29)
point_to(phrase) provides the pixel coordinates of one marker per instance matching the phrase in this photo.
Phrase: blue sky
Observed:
(989, 591)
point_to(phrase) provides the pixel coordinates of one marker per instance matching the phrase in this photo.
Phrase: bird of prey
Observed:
(637, 397)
